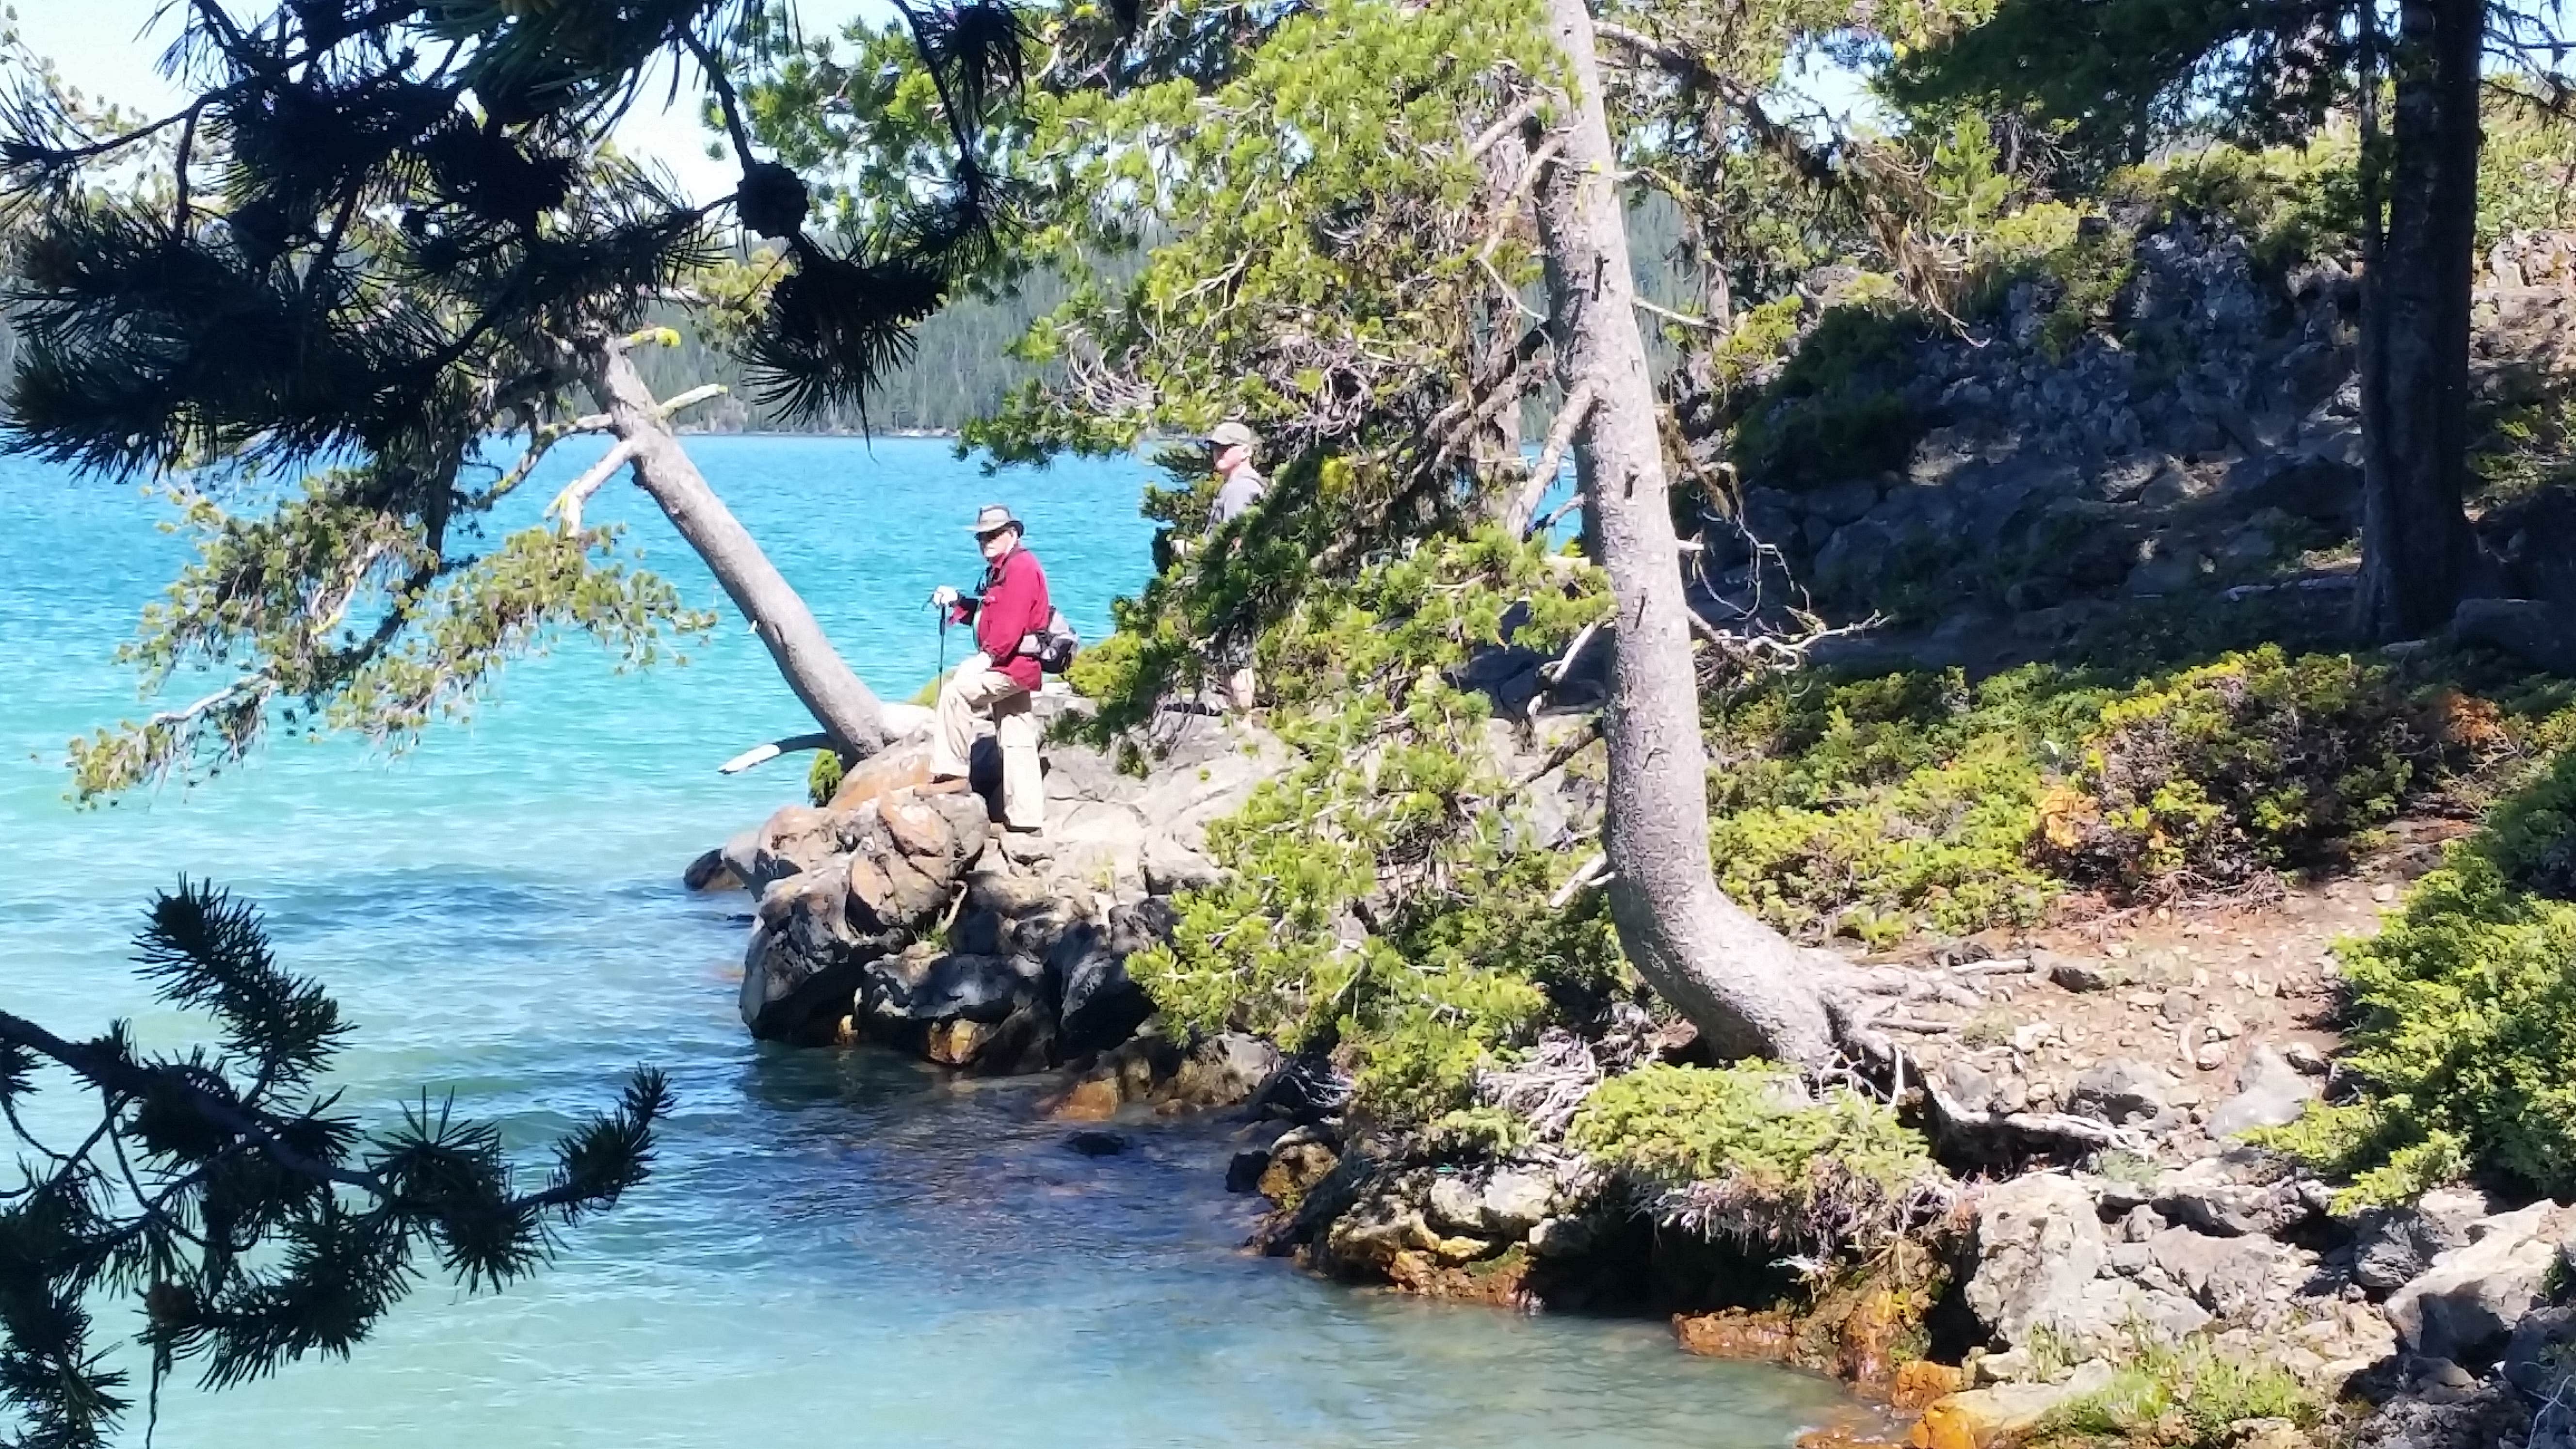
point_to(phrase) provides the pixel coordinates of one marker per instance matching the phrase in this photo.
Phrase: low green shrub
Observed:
(1750, 1154)
(1946, 845)
(1875, 807)
(2188, 1395)
(2255, 761)
(2465, 1006)
(2290, 203)
(2080, 260)
(1383, 901)
(823, 777)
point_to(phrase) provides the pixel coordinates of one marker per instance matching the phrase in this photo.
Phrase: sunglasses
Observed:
(988, 535)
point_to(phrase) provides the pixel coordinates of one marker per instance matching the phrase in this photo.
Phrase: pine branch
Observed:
(251, 1231)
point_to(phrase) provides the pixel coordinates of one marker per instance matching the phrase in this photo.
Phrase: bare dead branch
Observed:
(1551, 454)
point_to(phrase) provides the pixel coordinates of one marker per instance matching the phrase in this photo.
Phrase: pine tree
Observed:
(381, 232)
(225, 1197)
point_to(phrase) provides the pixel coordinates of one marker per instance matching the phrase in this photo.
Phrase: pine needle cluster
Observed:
(225, 1196)
(377, 235)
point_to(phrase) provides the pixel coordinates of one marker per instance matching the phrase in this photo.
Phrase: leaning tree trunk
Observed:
(1748, 989)
(2418, 554)
(842, 705)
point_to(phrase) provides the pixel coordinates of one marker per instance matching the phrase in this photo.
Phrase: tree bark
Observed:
(822, 681)
(2418, 554)
(1748, 989)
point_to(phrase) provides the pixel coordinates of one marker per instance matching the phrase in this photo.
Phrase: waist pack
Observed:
(1054, 645)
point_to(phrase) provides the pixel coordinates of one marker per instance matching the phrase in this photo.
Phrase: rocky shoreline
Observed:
(2100, 1257)
(2026, 1286)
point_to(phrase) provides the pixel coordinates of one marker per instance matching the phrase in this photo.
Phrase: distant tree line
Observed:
(960, 367)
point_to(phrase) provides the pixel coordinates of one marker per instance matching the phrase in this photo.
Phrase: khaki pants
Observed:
(975, 691)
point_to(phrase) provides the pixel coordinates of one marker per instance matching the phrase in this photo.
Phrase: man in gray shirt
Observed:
(1238, 487)
(1238, 484)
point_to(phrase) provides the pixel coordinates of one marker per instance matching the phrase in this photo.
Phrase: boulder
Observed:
(1006, 892)
(1363, 1241)
(941, 833)
(977, 988)
(2390, 1246)
(1132, 1072)
(2234, 1194)
(2071, 974)
(795, 839)
(805, 958)
(2531, 536)
(2002, 1413)
(2537, 633)
(890, 891)
(980, 933)
(1505, 1204)
(2119, 1091)
(1506, 674)
(881, 775)
(2269, 1093)
(1842, 502)
(738, 853)
(1194, 787)
(1099, 1006)
(2464, 1305)
(916, 829)
(1854, 556)
(1221, 1071)
(2537, 1358)
(986, 1013)
(1295, 1163)
(1564, 1236)
(2319, 489)
(1171, 867)
(2038, 1243)
(1098, 844)
(1244, 1170)
(1971, 1085)
(711, 872)
(2234, 1278)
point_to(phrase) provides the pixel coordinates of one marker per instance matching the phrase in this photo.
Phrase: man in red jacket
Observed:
(997, 681)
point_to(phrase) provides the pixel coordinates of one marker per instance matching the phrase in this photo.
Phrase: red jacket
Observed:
(1012, 606)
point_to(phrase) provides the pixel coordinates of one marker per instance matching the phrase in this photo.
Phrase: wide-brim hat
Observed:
(993, 518)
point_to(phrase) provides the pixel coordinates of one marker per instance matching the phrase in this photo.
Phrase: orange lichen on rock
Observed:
(1916, 1385)
(1740, 1334)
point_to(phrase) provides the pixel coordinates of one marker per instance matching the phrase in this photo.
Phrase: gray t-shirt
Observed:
(1236, 495)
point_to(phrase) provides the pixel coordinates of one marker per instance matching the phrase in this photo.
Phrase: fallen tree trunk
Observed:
(822, 681)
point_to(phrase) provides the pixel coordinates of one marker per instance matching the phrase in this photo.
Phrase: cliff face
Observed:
(2204, 438)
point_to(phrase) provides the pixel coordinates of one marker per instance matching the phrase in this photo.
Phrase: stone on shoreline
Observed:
(2465, 1304)
(2002, 1413)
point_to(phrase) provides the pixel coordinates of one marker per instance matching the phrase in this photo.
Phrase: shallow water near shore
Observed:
(835, 1247)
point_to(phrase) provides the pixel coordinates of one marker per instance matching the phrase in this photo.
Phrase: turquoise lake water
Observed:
(836, 1248)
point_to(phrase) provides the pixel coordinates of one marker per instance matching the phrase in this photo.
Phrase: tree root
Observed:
(1858, 999)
